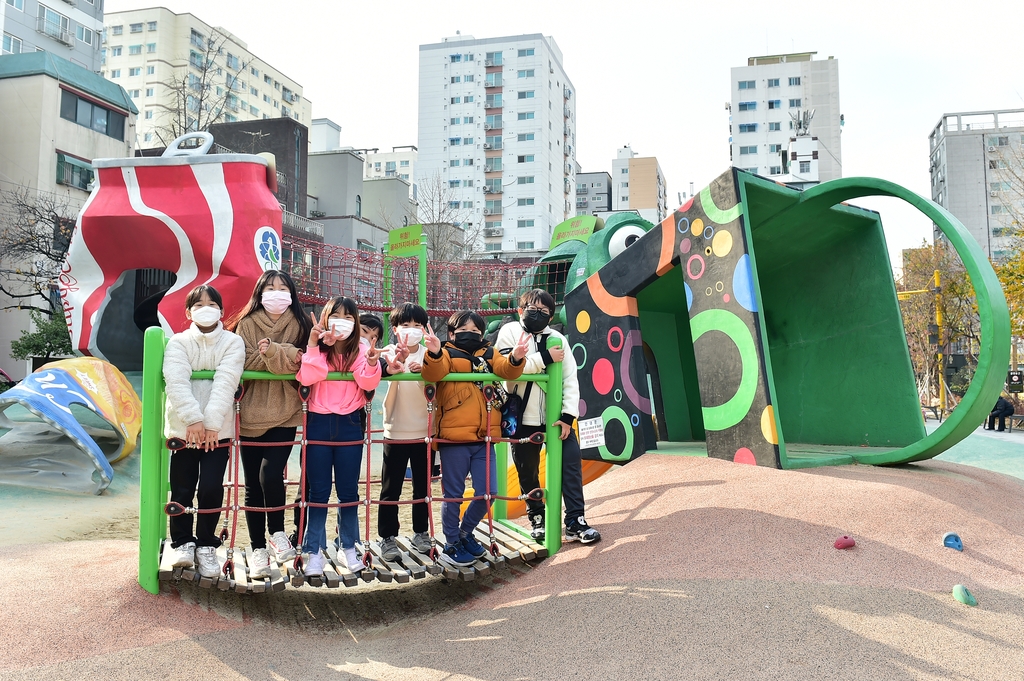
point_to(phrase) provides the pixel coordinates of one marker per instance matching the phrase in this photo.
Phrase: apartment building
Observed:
(772, 97)
(69, 29)
(977, 166)
(637, 183)
(593, 193)
(145, 50)
(55, 118)
(497, 127)
(400, 162)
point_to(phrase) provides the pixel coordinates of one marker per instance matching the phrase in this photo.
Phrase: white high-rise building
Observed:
(497, 125)
(400, 162)
(770, 96)
(977, 162)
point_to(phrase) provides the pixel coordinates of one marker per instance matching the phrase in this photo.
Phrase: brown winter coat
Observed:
(461, 413)
(270, 404)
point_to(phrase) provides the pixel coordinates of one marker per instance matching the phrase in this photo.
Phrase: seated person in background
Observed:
(1002, 409)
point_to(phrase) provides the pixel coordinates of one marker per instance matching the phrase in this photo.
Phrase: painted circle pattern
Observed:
(722, 243)
(580, 363)
(583, 321)
(697, 226)
(732, 411)
(622, 339)
(689, 269)
(603, 376)
(614, 413)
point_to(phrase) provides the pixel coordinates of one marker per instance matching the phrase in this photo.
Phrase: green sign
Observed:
(405, 241)
(575, 229)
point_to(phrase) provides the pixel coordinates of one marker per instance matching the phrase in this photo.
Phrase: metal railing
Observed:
(55, 31)
(289, 219)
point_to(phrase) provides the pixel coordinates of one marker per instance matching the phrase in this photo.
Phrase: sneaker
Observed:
(185, 555)
(389, 549)
(314, 565)
(354, 562)
(421, 542)
(537, 527)
(206, 558)
(581, 532)
(456, 556)
(282, 547)
(259, 564)
(473, 547)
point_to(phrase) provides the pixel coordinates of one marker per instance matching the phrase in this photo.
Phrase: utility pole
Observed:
(938, 323)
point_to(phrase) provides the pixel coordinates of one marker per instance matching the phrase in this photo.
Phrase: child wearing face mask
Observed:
(405, 418)
(536, 309)
(201, 413)
(334, 416)
(274, 329)
(462, 418)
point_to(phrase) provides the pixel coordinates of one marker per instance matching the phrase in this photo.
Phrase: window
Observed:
(998, 141)
(775, 170)
(494, 58)
(493, 165)
(747, 84)
(525, 202)
(525, 245)
(774, 103)
(196, 38)
(524, 73)
(148, 137)
(455, 58)
(525, 116)
(528, 158)
(11, 45)
(625, 171)
(453, 204)
(525, 136)
(17, 4)
(115, 51)
(793, 103)
(267, 79)
(493, 102)
(526, 53)
(748, 106)
(254, 92)
(465, 140)
(233, 62)
(454, 141)
(403, 164)
(773, 82)
(996, 209)
(456, 79)
(467, 204)
(525, 94)
(775, 126)
(150, 48)
(528, 179)
(83, 112)
(151, 25)
(468, 78)
(999, 186)
(454, 121)
(494, 120)
(805, 166)
(467, 162)
(524, 223)
(136, 28)
(996, 165)
(774, 148)
(150, 91)
(359, 206)
(456, 100)
(376, 166)
(118, 30)
(748, 127)
(135, 49)
(136, 71)
(625, 184)
(492, 246)
(454, 163)
(749, 150)
(73, 173)
(253, 110)
(115, 73)
(467, 119)
(625, 198)
(149, 115)
(83, 34)
(266, 98)
(494, 206)
(454, 184)
(468, 99)
(134, 94)
(794, 80)
(404, 176)
(53, 24)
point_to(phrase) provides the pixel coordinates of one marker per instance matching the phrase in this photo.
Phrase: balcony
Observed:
(493, 189)
(582, 189)
(493, 82)
(581, 202)
(55, 31)
(493, 210)
(301, 224)
(492, 168)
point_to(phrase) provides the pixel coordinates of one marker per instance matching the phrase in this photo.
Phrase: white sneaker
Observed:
(259, 564)
(355, 563)
(206, 557)
(281, 546)
(185, 555)
(315, 565)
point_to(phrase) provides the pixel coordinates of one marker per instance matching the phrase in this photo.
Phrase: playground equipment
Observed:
(814, 369)
(203, 219)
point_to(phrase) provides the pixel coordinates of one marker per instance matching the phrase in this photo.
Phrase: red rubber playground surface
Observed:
(707, 570)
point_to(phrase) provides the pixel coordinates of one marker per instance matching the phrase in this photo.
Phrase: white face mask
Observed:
(206, 316)
(276, 302)
(363, 342)
(410, 334)
(342, 327)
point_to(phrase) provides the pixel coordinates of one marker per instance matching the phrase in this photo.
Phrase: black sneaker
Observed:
(578, 530)
(537, 527)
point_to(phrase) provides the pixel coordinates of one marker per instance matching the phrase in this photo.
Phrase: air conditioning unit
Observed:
(487, 126)
(493, 231)
(487, 145)
(489, 190)
(991, 148)
(993, 193)
(488, 62)
(487, 211)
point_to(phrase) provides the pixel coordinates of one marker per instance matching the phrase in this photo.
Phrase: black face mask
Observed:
(468, 341)
(535, 321)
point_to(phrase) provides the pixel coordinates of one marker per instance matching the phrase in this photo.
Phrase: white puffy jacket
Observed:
(533, 414)
(211, 402)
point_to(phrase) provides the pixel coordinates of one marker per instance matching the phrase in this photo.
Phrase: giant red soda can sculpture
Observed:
(210, 219)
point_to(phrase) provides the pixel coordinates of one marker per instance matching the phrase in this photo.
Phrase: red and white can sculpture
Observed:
(210, 219)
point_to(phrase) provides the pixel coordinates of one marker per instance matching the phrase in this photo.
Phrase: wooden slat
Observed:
(509, 549)
(347, 577)
(259, 584)
(331, 577)
(401, 575)
(383, 573)
(493, 562)
(241, 572)
(409, 564)
(278, 577)
(223, 582)
(510, 539)
(166, 571)
(428, 565)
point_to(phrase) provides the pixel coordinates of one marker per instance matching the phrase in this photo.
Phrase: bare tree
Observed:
(35, 231)
(443, 217)
(202, 91)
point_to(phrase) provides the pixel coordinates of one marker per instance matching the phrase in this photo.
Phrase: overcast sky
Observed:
(656, 74)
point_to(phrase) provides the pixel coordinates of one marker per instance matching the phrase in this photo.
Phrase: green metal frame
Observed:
(154, 464)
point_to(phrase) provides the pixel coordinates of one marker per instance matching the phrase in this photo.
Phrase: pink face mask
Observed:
(276, 302)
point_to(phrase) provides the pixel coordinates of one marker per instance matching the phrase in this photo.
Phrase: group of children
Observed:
(272, 333)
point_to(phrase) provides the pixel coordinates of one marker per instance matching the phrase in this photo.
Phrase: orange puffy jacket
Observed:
(461, 408)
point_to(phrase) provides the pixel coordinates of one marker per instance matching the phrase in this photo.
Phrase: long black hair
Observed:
(255, 304)
(345, 350)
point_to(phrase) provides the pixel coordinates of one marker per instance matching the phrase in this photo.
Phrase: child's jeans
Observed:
(458, 460)
(344, 461)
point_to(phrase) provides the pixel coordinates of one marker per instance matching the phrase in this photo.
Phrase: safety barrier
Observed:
(155, 463)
